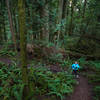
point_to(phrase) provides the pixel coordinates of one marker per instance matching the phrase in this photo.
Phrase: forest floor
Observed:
(82, 90)
(5, 60)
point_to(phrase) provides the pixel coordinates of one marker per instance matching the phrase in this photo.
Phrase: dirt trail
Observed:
(82, 90)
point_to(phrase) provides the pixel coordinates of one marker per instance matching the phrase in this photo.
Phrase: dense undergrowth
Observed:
(42, 82)
(7, 50)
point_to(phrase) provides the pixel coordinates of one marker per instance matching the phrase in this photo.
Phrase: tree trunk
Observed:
(64, 17)
(4, 31)
(67, 14)
(83, 16)
(64, 9)
(3, 36)
(71, 20)
(22, 29)
(1, 33)
(45, 23)
(82, 31)
(16, 28)
(60, 17)
(84, 8)
(11, 24)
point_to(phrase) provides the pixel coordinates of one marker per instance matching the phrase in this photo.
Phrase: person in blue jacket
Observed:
(75, 68)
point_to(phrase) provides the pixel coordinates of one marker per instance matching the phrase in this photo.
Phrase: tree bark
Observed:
(64, 17)
(4, 31)
(60, 11)
(2, 22)
(16, 28)
(22, 29)
(84, 8)
(64, 9)
(11, 24)
(1, 33)
(71, 20)
(82, 31)
(45, 23)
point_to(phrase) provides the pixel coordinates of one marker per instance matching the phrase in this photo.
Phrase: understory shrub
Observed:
(41, 82)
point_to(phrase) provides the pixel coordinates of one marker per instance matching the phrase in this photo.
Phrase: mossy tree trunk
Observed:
(1, 38)
(22, 30)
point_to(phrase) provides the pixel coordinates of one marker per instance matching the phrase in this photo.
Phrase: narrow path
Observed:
(82, 90)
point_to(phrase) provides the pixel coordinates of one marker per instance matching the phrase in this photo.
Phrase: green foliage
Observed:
(94, 79)
(6, 52)
(41, 80)
(94, 76)
(55, 58)
(36, 16)
(89, 65)
(49, 83)
(97, 92)
(7, 49)
(66, 65)
(10, 82)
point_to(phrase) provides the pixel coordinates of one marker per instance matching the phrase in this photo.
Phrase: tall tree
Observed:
(1, 35)
(11, 24)
(2, 21)
(60, 13)
(82, 31)
(65, 2)
(22, 29)
(84, 8)
(45, 20)
(71, 20)
(64, 16)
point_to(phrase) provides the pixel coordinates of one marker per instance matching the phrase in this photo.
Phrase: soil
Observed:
(82, 90)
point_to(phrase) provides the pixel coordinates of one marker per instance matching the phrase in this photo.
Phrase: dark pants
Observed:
(75, 72)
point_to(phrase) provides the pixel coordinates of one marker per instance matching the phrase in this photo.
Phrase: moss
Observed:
(22, 28)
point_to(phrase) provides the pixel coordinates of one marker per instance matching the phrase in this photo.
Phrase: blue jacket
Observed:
(75, 66)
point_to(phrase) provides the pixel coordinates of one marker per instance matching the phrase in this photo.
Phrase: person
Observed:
(75, 68)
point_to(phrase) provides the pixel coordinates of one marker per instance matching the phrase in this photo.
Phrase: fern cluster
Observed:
(10, 82)
(48, 83)
(7, 50)
(41, 82)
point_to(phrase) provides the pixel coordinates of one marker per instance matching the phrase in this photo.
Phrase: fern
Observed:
(18, 94)
(42, 82)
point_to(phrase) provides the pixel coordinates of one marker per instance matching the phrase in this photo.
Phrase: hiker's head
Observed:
(76, 62)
